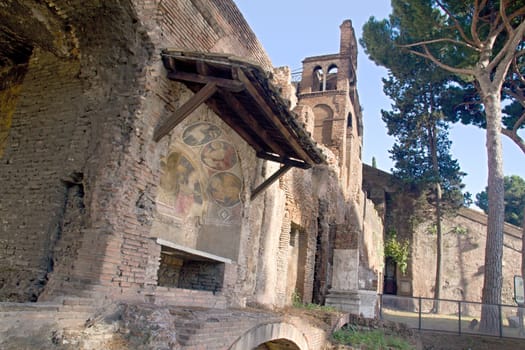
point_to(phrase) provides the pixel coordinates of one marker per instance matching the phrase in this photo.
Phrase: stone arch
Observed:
(280, 335)
(318, 80)
(331, 77)
(324, 116)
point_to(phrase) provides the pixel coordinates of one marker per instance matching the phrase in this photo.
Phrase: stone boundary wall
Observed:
(463, 258)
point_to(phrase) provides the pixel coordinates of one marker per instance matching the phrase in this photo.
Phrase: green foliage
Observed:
(459, 230)
(298, 303)
(444, 30)
(514, 197)
(480, 43)
(432, 229)
(398, 251)
(375, 339)
(296, 299)
(418, 89)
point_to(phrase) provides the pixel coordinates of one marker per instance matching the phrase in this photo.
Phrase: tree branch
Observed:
(503, 16)
(441, 40)
(440, 64)
(468, 42)
(518, 123)
(517, 13)
(515, 138)
(475, 19)
(503, 59)
(516, 96)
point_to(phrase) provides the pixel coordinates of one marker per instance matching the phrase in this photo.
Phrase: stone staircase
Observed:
(67, 313)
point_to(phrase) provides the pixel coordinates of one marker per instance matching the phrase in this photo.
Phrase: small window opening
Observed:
(331, 78)
(318, 80)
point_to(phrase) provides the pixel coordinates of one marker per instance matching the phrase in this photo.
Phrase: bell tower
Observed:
(328, 87)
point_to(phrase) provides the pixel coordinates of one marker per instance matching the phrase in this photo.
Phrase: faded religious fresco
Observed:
(200, 134)
(203, 180)
(219, 155)
(225, 189)
(180, 187)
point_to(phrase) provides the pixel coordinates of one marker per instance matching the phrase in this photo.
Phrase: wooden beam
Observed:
(263, 105)
(232, 85)
(195, 101)
(283, 160)
(241, 111)
(233, 122)
(282, 170)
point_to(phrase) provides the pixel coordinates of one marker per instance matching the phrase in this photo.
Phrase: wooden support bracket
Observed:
(192, 104)
(282, 170)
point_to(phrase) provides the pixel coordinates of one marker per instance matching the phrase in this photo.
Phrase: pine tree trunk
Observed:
(433, 135)
(521, 310)
(492, 284)
(523, 246)
(439, 251)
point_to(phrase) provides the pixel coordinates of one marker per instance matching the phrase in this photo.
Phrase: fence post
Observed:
(419, 321)
(459, 316)
(380, 306)
(500, 321)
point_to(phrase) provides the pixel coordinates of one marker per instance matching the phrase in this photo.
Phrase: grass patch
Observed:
(297, 303)
(373, 339)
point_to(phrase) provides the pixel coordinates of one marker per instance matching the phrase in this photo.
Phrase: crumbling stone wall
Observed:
(81, 215)
(93, 109)
(35, 172)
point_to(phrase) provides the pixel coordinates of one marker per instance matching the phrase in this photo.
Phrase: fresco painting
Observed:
(180, 187)
(219, 155)
(209, 189)
(224, 189)
(200, 133)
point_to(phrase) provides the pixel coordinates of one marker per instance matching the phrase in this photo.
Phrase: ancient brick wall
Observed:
(41, 148)
(81, 168)
(83, 125)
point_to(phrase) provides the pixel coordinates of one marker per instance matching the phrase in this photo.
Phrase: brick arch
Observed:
(331, 77)
(318, 79)
(279, 333)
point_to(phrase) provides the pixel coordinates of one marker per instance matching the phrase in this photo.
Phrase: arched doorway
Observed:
(271, 336)
(278, 344)
(390, 282)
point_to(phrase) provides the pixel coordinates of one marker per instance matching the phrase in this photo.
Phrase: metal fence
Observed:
(460, 317)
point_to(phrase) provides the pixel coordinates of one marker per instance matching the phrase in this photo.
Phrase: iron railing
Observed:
(444, 315)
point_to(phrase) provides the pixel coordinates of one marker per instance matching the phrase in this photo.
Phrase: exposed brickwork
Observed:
(36, 162)
(81, 214)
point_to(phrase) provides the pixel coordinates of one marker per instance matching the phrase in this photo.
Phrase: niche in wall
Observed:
(181, 267)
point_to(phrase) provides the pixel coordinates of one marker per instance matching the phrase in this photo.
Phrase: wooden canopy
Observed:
(240, 93)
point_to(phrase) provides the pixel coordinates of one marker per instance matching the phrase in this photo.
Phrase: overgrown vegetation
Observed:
(514, 196)
(373, 339)
(298, 303)
(397, 250)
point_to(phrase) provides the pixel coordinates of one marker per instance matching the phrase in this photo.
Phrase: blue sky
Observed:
(291, 30)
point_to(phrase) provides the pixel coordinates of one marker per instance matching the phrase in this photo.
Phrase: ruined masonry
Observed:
(163, 186)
